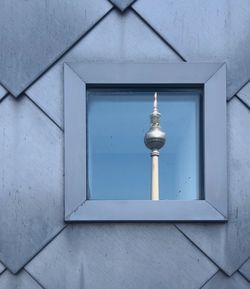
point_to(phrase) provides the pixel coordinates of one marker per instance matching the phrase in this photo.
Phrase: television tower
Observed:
(155, 139)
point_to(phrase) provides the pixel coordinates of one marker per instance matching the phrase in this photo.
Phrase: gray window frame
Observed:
(212, 76)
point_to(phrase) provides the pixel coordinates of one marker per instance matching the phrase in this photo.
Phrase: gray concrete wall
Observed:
(37, 249)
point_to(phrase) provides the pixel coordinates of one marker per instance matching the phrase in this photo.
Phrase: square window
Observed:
(107, 111)
(117, 120)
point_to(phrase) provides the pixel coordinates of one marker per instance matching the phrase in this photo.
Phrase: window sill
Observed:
(146, 210)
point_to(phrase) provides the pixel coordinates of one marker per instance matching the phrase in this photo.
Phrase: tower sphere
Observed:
(155, 138)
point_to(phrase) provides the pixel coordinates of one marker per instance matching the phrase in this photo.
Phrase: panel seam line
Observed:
(159, 35)
(57, 59)
(44, 112)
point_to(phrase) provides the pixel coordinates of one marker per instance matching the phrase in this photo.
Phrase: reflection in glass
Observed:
(119, 164)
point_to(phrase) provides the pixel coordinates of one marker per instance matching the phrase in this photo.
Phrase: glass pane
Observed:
(119, 164)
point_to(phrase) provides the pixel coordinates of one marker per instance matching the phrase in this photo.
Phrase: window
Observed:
(107, 165)
(119, 163)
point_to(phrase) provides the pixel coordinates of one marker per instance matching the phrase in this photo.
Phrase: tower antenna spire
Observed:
(155, 139)
(155, 102)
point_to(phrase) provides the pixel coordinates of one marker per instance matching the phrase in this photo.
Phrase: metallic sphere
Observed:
(155, 138)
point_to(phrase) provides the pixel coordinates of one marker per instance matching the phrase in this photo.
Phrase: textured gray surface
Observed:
(222, 281)
(33, 34)
(244, 94)
(116, 38)
(187, 26)
(122, 4)
(31, 181)
(2, 268)
(21, 281)
(3, 92)
(121, 256)
(245, 270)
(228, 244)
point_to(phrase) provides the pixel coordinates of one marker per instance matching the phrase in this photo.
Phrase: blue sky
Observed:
(119, 164)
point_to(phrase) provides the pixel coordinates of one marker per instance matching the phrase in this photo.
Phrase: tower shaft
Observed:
(155, 177)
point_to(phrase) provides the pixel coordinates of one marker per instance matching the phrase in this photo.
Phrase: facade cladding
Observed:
(37, 248)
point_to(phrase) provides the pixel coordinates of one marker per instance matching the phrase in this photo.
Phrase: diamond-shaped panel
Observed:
(244, 94)
(116, 38)
(3, 92)
(2, 268)
(229, 244)
(222, 281)
(20, 281)
(31, 181)
(122, 4)
(213, 31)
(33, 34)
(124, 256)
(245, 270)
